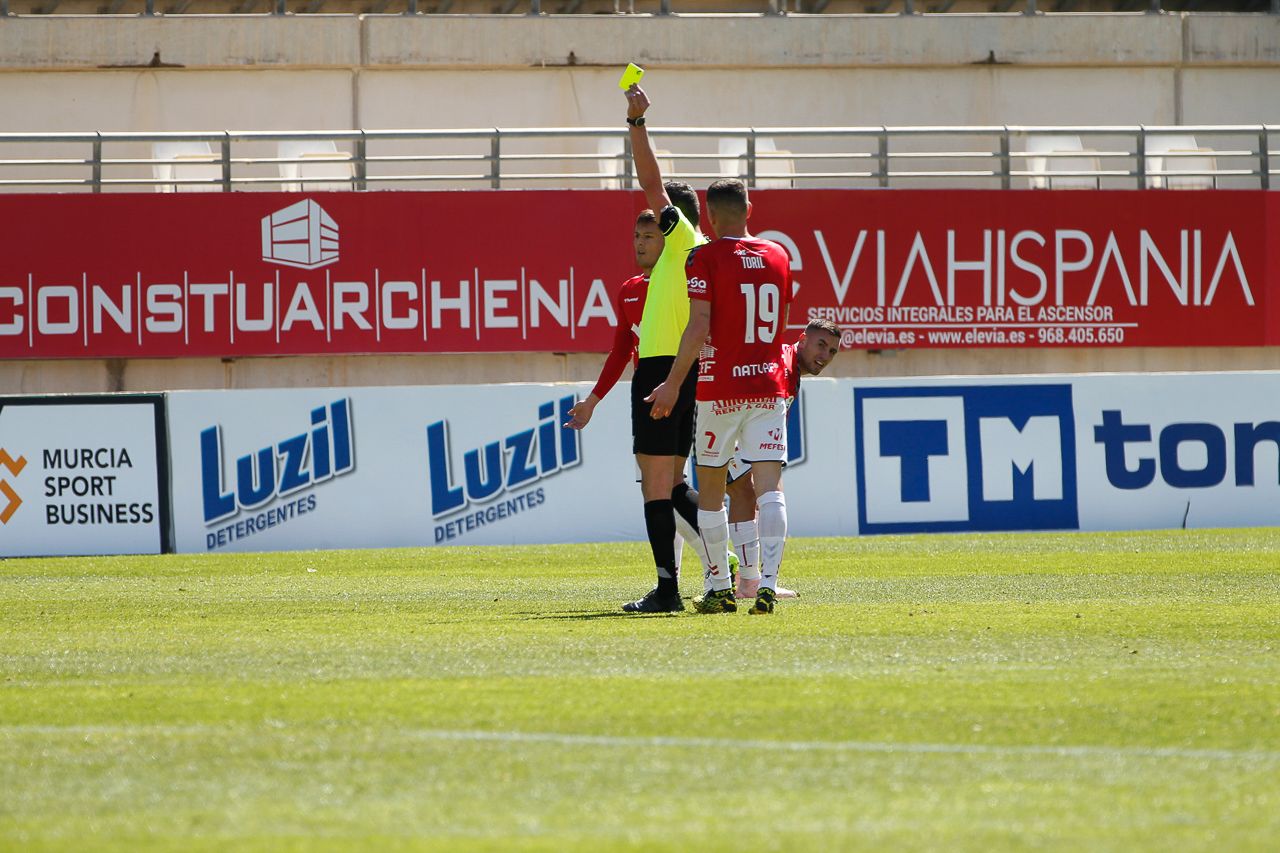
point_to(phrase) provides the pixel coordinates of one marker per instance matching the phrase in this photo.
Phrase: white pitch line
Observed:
(886, 747)
(624, 742)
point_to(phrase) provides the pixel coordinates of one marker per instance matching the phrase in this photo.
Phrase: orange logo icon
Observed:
(15, 466)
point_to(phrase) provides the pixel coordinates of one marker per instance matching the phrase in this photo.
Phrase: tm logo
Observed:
(280, 469)
(501, 466)
(300, 235)
(15, 467)
(994, 457)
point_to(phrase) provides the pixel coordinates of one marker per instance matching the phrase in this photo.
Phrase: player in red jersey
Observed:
(629, 306)
(818, 345)
(739, 291)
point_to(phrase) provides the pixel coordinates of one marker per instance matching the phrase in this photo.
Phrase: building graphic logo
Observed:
(12, 500)
(301, 235)
(954, 458)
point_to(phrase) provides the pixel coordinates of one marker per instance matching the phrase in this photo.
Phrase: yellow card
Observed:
(631, 75)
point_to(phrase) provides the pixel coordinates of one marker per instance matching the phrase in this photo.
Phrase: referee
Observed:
(661, 445)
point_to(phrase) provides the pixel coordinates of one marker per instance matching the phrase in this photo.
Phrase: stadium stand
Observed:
(848, 100)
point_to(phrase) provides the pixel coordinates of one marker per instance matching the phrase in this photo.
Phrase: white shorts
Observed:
(757, 429)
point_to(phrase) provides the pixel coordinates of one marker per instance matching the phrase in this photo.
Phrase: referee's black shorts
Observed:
(669, 436)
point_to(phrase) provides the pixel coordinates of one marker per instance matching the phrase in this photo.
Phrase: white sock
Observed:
(746, 541)
(686, 531)
(679, 552)
(713, 527)
(773, 536)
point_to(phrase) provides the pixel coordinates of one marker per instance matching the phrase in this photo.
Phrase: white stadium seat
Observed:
(322, 166)
(186, 161)
(1050, 144)
(610, 149)
(774, 168)
(1161, 144)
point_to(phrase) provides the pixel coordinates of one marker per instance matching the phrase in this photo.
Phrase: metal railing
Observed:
(664, 7)
(1204, 156)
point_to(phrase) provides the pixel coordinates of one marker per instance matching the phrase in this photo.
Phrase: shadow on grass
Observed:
(586, 615)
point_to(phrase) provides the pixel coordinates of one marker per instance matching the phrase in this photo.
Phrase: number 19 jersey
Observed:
(748, 283)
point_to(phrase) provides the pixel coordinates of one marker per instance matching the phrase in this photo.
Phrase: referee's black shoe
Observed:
(656, 601)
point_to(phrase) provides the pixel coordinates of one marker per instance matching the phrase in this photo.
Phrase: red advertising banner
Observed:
(247, 274)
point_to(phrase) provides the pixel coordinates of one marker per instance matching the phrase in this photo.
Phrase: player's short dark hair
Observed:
(684, 197)
(728, 195)
(647, 216)
(821, 324)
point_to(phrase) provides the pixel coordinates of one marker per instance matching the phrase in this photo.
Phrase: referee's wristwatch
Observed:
(638, 121)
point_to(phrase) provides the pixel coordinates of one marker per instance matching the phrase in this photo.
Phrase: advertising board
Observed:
(1097, 452)
(437, 465)
(251, 274)
(83, 475)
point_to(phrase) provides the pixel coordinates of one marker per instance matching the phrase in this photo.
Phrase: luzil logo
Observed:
(300, 235)
(998, 457)
(325, 451)
(500, 466)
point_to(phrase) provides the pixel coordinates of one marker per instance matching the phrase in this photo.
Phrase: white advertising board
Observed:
(1160, 450)
(439, 465)
(1093, 452)
(454, 465)
(82, 475)
(383, 467)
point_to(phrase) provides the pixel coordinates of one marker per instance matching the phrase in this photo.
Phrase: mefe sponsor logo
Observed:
(511, 464)
(778, 440)
(279, 470)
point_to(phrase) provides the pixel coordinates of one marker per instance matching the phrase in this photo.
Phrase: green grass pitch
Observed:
(1076, 692)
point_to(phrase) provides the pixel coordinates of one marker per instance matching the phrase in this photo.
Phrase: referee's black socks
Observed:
(661, 527)
(685, 501)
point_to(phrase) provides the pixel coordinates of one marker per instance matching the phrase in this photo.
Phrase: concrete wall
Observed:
(727, 41)
(339, 72)
(97, 375)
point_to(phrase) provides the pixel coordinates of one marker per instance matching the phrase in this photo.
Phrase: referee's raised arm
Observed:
(646, 160)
